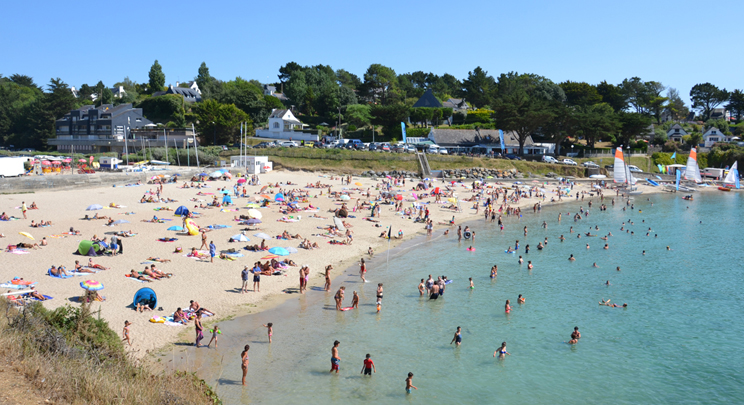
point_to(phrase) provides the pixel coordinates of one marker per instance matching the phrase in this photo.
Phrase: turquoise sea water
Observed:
(677, 342)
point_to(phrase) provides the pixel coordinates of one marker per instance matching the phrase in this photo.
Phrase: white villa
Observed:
(714, 135)
(284, 125)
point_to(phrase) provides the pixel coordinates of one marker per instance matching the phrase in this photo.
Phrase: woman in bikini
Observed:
(339, 297)
(362, 270)
(244, 361)
(379, 292)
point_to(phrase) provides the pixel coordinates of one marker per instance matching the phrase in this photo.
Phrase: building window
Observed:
(276, 125)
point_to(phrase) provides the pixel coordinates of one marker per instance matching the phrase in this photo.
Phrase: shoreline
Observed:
(212, 285)
(349, 266)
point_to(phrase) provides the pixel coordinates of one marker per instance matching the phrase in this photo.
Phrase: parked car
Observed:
(385, 147)
(590, 164)
(609, 167)
(549, 159)
(28, 150)
(635, 169)
(443, 151)
(266, 145)
(309, 144)
(289, 144)
(372, 147)
(512, 157)
(569, 162)
(409, 149)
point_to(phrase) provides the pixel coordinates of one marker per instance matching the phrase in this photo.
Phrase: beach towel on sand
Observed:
(49, 272)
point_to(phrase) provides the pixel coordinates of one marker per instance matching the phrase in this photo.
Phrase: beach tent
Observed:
(227, 199)
(279, 197)
(146, 296)
(88, 248)
(182, 211)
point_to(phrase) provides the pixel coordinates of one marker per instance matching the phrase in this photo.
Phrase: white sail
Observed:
(692, 172)
(731, 175)
(619, 168)
(632, 180)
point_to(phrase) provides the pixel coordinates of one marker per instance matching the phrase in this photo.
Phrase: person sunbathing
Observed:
(114, 205)
(34, 224)
(4, 217)
(58, 272)
(74, 232)
(98, 216)
(80, 269)
(110, 222)
(159, 273)
(45, 223)
(157, 259)
(36, 294)
(180, 317)
(93, 296)
(194, 306)
(141, 307)
(33, 206)
(96, 266)
(23, 245)
(151, 273)
(134, 274)
(125, 234)
(154, 220)
(18, 301)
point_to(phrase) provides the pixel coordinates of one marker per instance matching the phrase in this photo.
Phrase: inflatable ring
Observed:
(467, 234)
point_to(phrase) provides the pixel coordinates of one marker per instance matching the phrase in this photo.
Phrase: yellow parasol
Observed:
(26, 234)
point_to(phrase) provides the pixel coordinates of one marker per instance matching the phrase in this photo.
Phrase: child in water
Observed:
(270, 329)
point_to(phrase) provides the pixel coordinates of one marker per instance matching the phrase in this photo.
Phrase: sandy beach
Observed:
(216, 286)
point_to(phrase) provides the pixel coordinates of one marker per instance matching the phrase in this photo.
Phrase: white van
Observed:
(433, 149)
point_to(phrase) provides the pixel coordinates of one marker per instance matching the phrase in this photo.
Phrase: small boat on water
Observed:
(159, 162)
(687, 197)
(652, 182)
(724, 188)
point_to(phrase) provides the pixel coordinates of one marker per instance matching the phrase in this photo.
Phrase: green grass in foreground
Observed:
(72, 357)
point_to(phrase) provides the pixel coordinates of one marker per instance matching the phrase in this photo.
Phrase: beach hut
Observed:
(88, 248)
(146, 296)
(182, 211)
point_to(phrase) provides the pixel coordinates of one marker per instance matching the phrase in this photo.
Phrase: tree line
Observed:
(526, 103)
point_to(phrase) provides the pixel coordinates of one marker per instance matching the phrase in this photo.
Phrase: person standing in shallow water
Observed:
(244, 361)
(335, 359)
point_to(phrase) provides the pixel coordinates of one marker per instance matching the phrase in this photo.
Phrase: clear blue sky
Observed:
(679, 43)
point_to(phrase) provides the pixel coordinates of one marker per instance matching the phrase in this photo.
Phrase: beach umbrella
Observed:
(399, 197)
(94, 207)
(120, 221)
(176, 228)
(202, 174)
(241, 180)
(345, 197)
(227, 174)
(251, 205)
(452, 200)
(357, 184)
(265, 196)
(339, 223)
(68, 160)
(279, 251)
(262, 235)
(254, 213)
(240, 238)
(91, 285)
(291, 250)
(253, 221)
(45, 163)
(269, 257)
(436, 190)
(26, 234)
(176, 174)
(56, 163)
(81, 160)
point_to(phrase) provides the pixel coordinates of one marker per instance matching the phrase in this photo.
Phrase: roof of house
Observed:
(281, 113)
(455, 103)
(472, 137)
(428, 100)
(709, 130)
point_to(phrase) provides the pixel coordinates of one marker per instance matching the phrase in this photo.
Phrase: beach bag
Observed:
(178, 250)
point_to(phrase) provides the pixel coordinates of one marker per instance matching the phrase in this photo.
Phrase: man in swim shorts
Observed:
(335, 360)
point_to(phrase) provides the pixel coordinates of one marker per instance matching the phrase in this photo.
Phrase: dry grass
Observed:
(72, 357)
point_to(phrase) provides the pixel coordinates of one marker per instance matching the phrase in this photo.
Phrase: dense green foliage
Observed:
(526, 103)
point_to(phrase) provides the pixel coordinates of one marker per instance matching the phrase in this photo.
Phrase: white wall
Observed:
(296, 136)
